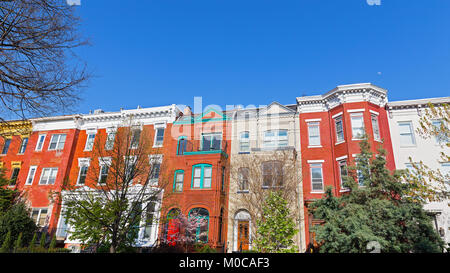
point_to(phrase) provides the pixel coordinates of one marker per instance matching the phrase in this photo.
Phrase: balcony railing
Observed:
(189, 147)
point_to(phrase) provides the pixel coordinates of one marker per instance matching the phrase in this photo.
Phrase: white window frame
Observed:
(411, 133)
(39, 148)
(436, 138)
(102, 162)
(32, 168)
(357, 115)
(316, 166)
(341, 120)
(155, 143)
(310, 125)
(23, 146)
(276, 141)
(89, 146)
(244, 142)
(158, 159)
(342, 163)
(110, 139)
(57, 142)
(51, 170)
(374, 117)
(39, 215)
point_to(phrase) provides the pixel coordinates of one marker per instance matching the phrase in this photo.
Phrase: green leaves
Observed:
(380, 211)
(276, 227)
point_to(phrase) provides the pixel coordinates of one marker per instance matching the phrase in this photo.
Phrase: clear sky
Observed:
(160, 52)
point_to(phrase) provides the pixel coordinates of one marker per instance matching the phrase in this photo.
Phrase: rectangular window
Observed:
(110, 141)
(159, 137)
(244, 142)
(440, 132)
(406, 133)
(149, 218)
(30, 176)
(155, 170)
(243, 179)
(207, 176)
(357, 120)
(48, 176)
(445, 171)
(40, 143)
(179, 178)
(14, 175)
(316, 177)
(342, 172)
(39, 216)
(339, 129)
(197, 177)
(135, 137)
(375, 127)
(202, 176)
(314, 133)
(104, 169)
(23, 145)
(89, 142)
(272, 174)
(82, 175)
(275, 138)
(57, 142)
(6, 146)
(211, 142)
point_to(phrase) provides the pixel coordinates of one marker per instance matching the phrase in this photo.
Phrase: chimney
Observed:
(187, 111)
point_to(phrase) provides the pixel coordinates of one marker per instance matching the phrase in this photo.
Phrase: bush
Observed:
(204, 248)
(17, 220)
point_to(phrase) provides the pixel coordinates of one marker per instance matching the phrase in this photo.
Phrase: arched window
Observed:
(199, 217)
(182, 145)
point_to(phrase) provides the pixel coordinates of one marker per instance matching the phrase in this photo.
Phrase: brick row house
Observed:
(202, 159)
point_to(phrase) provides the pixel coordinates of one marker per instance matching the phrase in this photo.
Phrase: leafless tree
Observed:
(39, 72)
(253, 176)
(119, 194)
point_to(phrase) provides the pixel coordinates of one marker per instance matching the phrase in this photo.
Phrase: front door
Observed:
(243, 235)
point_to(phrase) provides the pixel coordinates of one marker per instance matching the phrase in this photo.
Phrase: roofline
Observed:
(342, 88)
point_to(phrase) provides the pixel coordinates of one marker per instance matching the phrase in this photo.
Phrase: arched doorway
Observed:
(242, 233)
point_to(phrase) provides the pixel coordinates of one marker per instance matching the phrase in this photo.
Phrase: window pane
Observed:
(207, 182)
(42, 217)
(208, 172)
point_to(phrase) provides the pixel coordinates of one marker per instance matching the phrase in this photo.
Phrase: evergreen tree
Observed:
(377, 209)
(7, 243)
(18, 243)
(43, 240)
(276, 228)
(53, 242)
(17, 220)
(32, 244)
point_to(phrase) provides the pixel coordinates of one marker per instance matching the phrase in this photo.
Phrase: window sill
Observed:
(340, 142)
(158, 146)
(244, 153)
(315, 146)
(344, 190)
(357, 139)
(317, 192)
(245, 191)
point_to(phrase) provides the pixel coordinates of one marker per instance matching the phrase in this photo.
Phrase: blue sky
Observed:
(159, 52)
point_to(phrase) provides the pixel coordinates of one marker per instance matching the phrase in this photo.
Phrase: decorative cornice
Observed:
(343, 94)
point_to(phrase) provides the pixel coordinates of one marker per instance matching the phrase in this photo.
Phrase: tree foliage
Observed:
(109, 212)
(276, 227)
(378, 209)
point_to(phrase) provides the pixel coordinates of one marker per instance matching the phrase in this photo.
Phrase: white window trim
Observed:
(247, 141)
(412, 134)
(156, 135)
(316, 162)
(309, 136)
(356, 110)
(374, 112)
(51, 171)
(28, 176)
(43, 142)
(102, 161)
(39, 215)
(337, 115)
(341, 158)
(357, 114)
(57, 142)
(378, 124)
(87, 141)
(335, 119)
